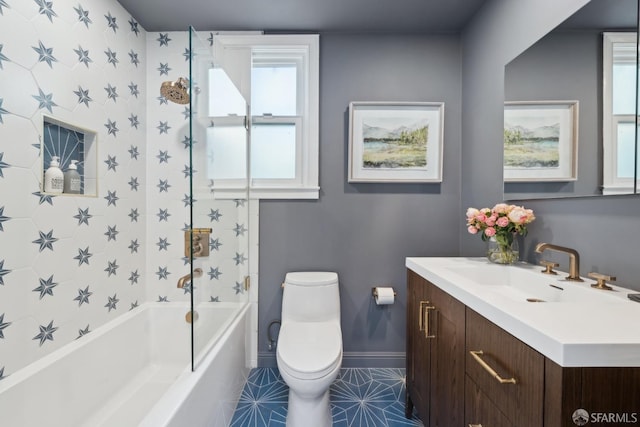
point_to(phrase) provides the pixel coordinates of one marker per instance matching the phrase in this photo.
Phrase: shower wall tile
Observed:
(167, 213)
(69, 264)
(65, 263)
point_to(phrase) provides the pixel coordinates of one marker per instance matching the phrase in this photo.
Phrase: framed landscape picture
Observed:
(540, 141)
(395, 141)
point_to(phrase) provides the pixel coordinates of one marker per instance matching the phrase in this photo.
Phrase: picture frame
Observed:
(396, 142)
(540, 141)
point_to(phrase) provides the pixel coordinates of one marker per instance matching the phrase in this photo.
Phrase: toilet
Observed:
(309, 350)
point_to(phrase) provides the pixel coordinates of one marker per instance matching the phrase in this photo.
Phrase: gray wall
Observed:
(365, 231)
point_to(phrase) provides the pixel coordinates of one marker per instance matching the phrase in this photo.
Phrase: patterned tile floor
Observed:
(360, 397)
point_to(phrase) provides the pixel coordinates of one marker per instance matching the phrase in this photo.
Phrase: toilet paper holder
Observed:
(374, 292)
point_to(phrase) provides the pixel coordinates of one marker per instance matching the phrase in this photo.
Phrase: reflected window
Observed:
(619, 112)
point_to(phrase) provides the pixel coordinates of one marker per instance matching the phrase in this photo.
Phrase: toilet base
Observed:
(304, 412)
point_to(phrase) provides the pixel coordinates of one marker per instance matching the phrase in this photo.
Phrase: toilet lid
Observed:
(317, 278)
(309, 349)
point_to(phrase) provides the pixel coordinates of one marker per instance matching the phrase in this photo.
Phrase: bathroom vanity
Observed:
(493, 346)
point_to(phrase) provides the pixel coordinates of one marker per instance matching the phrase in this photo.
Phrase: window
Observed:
(619, 112)
(279, 76)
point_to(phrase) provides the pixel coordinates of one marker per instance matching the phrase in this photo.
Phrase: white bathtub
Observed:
(136, 371)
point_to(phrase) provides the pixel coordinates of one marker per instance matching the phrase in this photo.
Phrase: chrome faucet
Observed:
(574, 259)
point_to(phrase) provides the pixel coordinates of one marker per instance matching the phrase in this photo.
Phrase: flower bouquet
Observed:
(499, 226)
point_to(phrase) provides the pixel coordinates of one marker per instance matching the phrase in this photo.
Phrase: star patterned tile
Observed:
(83, 56)
(97, 244)
(46, 8)
(83, 296)
(360, 397)
(46, 333)
(83, 15)
(45, 54)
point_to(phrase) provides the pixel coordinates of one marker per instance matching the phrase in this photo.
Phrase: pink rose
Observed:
(501, 208)
(503, 221)
(490, 231)
(530, 215)
(518, 216)
(481, 217)
(472, 212)
(471, 229)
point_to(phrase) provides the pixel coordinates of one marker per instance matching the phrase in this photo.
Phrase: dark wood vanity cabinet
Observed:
(435, 354)
(504, 383)
(507, 373)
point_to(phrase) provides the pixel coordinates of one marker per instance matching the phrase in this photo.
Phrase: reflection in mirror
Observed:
(566, 66)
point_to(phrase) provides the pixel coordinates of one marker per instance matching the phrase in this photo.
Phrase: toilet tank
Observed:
(311, 296)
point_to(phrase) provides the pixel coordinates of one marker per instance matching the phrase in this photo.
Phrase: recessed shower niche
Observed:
(74, 149)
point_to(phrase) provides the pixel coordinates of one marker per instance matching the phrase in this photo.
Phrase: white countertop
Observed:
(601, 330)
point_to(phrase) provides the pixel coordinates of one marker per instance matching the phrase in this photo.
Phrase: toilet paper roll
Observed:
(384, 296)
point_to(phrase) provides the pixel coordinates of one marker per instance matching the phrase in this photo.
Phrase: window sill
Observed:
(284, 193)
(611, 190)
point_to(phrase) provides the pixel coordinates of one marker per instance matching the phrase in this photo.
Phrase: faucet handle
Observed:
(549, 266)
(601, 280)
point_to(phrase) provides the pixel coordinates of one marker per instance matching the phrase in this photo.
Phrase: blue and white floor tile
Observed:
(360, 397)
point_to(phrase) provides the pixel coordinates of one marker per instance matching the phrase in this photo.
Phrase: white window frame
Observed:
(305, 185)
(611, 183)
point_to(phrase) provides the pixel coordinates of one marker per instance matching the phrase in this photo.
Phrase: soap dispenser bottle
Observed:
(53, 177)
(72, 179)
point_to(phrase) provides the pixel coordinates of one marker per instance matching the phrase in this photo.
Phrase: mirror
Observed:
(563, 69)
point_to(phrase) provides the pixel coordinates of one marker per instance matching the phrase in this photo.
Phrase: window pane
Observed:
(224, 97)
(273, 151)
(226, 152)
(626, 150)
(273, 89)
(624, 80)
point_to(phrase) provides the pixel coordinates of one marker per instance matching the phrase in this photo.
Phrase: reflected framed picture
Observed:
(397, 142)
(540, 141)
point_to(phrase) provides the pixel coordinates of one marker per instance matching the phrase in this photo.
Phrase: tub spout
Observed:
(197, 272)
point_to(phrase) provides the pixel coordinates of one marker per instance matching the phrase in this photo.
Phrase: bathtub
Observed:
(136, 371)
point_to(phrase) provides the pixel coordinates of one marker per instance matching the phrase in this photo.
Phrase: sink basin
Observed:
(553, 293)
(526, 283)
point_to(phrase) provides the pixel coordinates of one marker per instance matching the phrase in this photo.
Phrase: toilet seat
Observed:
(309, 350)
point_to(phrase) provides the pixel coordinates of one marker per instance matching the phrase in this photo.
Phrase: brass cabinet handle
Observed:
(423, 318)
(427, 326)
(476, 355)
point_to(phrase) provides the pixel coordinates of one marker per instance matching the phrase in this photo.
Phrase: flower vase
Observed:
(503, 249)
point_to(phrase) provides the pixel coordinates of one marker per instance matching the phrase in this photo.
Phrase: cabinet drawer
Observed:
(509, 373)
(479, 410)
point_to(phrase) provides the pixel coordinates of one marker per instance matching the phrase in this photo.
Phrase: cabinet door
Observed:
(447, 320)
(435, 354)
(418, 347)
(500, 354)
(479, 410)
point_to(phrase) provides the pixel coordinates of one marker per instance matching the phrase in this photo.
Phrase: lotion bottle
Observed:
(53, 177)
(72, 179)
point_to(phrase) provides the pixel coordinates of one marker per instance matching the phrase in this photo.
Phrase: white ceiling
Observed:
(397, 16)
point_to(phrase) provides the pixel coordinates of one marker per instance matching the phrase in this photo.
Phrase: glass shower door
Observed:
(219, 202)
